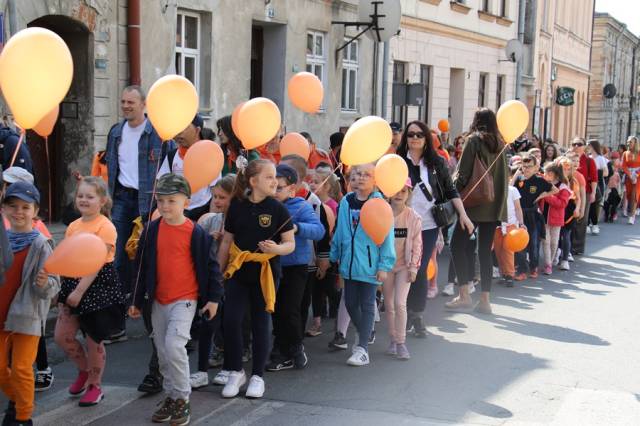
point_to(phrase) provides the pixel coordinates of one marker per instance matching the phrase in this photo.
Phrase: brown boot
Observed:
(459, 305)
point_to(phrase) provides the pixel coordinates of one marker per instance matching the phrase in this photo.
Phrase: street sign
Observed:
(564, 96)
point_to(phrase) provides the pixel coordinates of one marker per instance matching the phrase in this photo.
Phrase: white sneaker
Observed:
(255, 388)
(199, 379)
(472, 287)
(235, 381)
(589, 229)
(496, 272)
(637, 212)
(570, 257)
(595, 230)
(564, 265)
(449, 289)
(632, 220)
(359, 358)
(556, 260)
(221, 378)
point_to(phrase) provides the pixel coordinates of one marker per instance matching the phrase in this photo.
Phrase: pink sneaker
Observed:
(80, 384)
(92, 396)
(547, 270)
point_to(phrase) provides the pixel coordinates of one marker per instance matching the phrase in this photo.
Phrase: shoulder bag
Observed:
(443, 213)
(479, 188)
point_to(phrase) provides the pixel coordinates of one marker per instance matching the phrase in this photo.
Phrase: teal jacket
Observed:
(359, 257)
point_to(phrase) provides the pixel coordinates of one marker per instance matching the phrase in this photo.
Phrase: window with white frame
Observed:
(482, 90)
(316, 55)
(350, 77)
(188, 47)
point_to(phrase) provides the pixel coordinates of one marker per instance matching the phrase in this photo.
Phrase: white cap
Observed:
(17, 174)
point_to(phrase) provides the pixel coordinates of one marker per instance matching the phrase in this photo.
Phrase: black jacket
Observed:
(439, 179)
(204, 258)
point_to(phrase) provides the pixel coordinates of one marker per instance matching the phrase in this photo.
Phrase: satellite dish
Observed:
(384, 16)
(609, 91)
(513, 50)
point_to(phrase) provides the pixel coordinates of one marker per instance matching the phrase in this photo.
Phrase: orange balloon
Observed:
(391, 174)
(443, 125)
(202, 164)
(295, 143)
(516, 240)
(258, 122)
(306, 92)
(431, 270)
(172, 103)
(376, 218)
(46, 125)
(155, 215)
(77, 256)
(234, 117)
(366, 141)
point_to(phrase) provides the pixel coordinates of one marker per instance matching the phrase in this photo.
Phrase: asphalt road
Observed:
(562, 351)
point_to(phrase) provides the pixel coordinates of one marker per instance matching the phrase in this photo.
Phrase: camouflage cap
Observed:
(171, 183)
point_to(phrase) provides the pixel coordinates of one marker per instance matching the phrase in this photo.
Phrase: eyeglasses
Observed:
(576, 144)
(415, 135)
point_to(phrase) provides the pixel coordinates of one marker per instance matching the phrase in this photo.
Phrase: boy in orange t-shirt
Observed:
(179, 272)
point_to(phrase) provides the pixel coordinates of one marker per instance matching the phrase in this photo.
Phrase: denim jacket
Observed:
(151, 151)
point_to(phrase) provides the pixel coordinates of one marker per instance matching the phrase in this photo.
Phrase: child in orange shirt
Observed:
(25, 297)
(91, 303)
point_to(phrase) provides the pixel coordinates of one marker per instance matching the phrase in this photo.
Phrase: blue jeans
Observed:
(533, 249)
(123, 213)
(360, 301)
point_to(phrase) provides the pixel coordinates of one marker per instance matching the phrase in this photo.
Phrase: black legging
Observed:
(460, 248)
(417, 297)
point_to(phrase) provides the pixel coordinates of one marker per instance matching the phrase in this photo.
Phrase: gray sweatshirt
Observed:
(30, 306)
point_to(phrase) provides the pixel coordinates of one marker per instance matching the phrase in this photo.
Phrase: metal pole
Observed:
(385, 80)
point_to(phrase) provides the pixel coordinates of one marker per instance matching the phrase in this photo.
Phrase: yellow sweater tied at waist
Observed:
(238, 257)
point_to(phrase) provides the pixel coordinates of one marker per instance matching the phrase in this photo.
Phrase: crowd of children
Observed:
(279, 239)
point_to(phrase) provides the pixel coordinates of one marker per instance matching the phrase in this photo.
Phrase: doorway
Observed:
(456, 100)
(72, 136)
(268, 53)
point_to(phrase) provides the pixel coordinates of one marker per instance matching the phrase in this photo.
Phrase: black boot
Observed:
(9, 414)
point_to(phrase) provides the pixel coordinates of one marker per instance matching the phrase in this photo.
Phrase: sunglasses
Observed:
(577, 144)
(415, 135)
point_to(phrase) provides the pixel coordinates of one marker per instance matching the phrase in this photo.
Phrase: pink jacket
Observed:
(413, 242)
(557, 203)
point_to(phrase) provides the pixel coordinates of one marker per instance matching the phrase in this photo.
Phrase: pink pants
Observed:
(396, 289)
(93, 360)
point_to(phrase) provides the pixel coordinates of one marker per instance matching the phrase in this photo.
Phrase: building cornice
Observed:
(571, 67)
(451, 32)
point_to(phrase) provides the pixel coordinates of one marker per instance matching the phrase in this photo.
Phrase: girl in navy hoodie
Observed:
(286, 318)
(363, 264)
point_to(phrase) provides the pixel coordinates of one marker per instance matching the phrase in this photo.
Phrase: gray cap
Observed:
(17, 174)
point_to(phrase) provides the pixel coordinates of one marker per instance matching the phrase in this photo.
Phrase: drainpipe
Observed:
(133, 40)
(522, 11)
(374, 86)
(13, 20)
(385, 79)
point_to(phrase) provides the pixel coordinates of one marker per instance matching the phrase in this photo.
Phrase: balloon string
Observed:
(146, 229)
(15, 151)
(46, 150)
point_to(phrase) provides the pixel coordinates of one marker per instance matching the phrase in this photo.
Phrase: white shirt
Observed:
(198, 198)
(128, 155)
(601, 162)
(419, 202)
(514, 195)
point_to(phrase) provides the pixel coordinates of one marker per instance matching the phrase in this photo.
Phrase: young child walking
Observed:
(286, 317)
(92, 303)
(213, 224)
(25, 298)
(363, 264)
(179, 274)
(258, 230)
(408, 246)
(554, 212)
(514, 220)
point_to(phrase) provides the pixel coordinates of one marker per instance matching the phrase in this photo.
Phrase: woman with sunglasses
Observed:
(432, 182)
(484, 142)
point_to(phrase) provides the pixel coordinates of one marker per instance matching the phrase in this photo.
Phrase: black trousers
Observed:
(460, 247)
(417, 297)
(579, 234)
(594, 212)
(322, 290)
(205, 338)
(611, 205)
(287, 315)
(240, 296)
(42, 361)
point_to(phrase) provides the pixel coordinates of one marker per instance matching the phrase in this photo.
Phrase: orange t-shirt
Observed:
(316, 157)
(175, 269)
(98, 169)
(580, 178)
(13, 280)
(100, 226)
